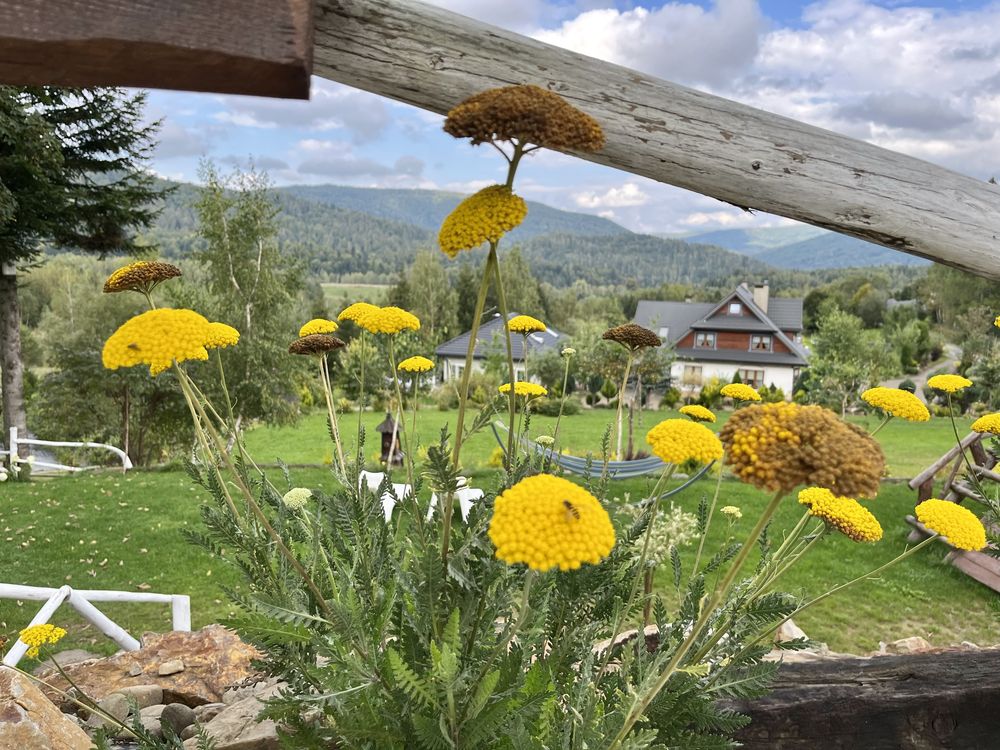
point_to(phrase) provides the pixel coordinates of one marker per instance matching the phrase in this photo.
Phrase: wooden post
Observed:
(433, 59)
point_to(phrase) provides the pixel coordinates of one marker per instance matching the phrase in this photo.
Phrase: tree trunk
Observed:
(12, 382)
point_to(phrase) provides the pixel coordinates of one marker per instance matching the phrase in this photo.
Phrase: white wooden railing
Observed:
(15, 441)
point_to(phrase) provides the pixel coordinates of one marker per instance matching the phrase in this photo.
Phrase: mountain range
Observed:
(375, 233)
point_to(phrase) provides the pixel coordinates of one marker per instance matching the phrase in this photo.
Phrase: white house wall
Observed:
(781, 376)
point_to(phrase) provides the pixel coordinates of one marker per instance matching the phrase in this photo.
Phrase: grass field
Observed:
(123, 532)
(339, 296)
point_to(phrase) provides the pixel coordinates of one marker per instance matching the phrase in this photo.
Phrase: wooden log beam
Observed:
(261, 47)
(433, 59)
(915, 702)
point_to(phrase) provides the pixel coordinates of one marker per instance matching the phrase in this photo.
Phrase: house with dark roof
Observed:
(451, 354)
(746, 333)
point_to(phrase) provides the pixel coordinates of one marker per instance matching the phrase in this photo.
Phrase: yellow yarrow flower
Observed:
(548, 522)
(678, 440)
(987, 423)
(996, 321)
(221, 335)
(40, 635)
(482, 217)
(524, 388)
(740, 392)
(959, 525)
(731, 512)
(389, 320)
(897, 403)
(948, 383)
(141, 276)
(525, 324)
(415, 364)
(157, 338)
(355, 312)
(845, 514)
(317, 325)
(698, 413)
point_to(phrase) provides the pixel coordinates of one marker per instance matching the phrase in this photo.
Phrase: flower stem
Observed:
(562, 402)
(881, 424)
(511, 396)
(708, 524)
(324, 374)
(621, 400)
(973, 476)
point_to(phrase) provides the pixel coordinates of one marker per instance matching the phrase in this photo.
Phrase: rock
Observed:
(115, 705)
(170, 667)
(150, 719)
(214, 658)
(208, 711)
(65, 658)
(789, 631)
(236, 727)
(143, 695)
(178, 716)
(912, 645)
(30, 720)
(189, 732)
(247, 689)
(969, 646)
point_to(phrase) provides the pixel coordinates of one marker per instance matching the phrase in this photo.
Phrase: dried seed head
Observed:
(315, 343)
(632, 336)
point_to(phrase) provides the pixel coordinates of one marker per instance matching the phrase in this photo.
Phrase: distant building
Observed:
(451, 354)
(747, 332)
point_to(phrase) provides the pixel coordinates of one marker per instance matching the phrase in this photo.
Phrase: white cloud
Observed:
(629, 194)
(728, 219)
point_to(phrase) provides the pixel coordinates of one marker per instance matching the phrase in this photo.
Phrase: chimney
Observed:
(761, 294)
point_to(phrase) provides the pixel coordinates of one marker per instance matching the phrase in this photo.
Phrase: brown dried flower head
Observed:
(316, 343)
(528, 114)
(778, 447)
(141, 276)
(632, 336)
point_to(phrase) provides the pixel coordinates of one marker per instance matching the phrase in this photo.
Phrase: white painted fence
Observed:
(15, 441)
(81, 601)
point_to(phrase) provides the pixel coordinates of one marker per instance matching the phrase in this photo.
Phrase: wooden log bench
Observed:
(922, 701)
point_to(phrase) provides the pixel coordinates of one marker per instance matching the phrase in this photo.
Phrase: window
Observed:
(691, 375)
(704, 341)
(735, 308)
(457, 370)
(760, 342)
(664, 333)
(753, 378)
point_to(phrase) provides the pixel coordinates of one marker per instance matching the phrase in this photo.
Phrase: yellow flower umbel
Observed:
(483, 217)
(221, 336)
(698, 413)
(157, 338)
(996, 321)
(779, 447)
(40, 635)
(416, 364)
(679, 440)
(142, 276)
(524, 388)
(731, 512)
(525, 324)
(740, 392)
(389, 320)
(317, 325)
(948, 383)
(547, 522)
(959, 525)
(845, 514)
(987, 423)
(355, 312)
(897, 403)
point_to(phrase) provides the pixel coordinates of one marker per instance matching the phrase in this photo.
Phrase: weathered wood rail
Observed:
(433, 59)
(930, 701)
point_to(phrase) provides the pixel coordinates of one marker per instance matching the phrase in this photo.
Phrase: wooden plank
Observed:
(986, 473)
(927, 701)
(261, 47)
(978, 566)
(433, 59)
(935, 467)
(946, 487)
(926, 490)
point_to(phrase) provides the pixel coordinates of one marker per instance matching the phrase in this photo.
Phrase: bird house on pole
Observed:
(391, 432)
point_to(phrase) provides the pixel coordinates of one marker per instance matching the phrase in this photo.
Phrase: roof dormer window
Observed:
(735, 308)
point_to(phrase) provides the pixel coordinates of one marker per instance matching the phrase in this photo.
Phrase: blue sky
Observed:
(918, 77)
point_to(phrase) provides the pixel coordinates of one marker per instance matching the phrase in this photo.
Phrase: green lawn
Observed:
(339, 296)
(123, 532)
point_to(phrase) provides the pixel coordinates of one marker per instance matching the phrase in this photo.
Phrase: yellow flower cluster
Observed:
(40, 635)
(141, 276)
(221, 335)
(698, 413)
(948, 383)
(845, 514)
(374, 319)
(317, 325)
(296, 498)
(996, 321)
(781, 446)
(482, 217)
(897, 403)
(740, 392)
(547, 522)
(159, 337)
(731, 512)
(987, 423)
(959, 525)
(416, 364)
(526, 113)
(525, 324)
(678, 440)
(524, 388)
